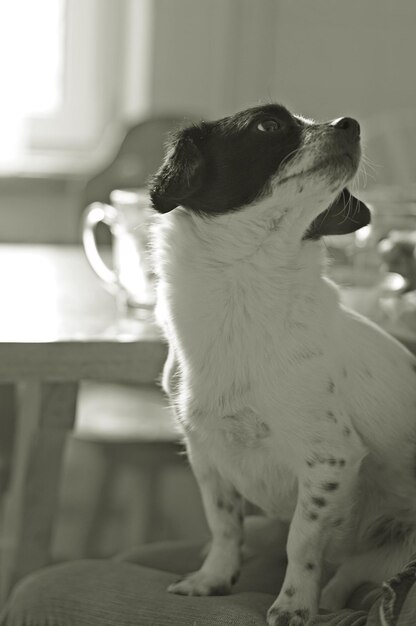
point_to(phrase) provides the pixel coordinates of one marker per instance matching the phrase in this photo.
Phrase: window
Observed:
(31, 60)
(60, 60)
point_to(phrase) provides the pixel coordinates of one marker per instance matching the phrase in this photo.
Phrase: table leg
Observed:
(45, 412)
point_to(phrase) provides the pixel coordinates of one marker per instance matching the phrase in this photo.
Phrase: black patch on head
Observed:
(217, 167)
(331, 386)
(346, 215)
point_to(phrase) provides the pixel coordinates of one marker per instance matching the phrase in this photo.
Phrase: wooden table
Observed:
(57, 326)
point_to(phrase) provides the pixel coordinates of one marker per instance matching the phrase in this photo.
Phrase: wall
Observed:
(323, 59)
(211, 57)
(356, 57)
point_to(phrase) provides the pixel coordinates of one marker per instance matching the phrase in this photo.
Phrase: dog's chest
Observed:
(249, 342)
(244, 336)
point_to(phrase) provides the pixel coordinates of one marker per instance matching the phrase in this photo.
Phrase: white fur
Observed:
(261, 352)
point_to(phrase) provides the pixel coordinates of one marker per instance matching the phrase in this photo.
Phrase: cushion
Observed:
(131, 590)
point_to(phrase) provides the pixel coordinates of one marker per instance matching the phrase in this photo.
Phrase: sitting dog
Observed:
(285, 397)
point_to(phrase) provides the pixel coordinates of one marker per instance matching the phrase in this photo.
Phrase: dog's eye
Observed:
(269, 126)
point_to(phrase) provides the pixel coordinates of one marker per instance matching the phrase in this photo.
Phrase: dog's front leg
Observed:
(224, 512)
(325, 490)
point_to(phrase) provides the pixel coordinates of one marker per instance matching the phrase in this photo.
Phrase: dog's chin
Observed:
(333, 171)
(339, 169)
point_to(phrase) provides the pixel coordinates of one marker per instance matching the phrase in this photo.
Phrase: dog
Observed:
(285, 398)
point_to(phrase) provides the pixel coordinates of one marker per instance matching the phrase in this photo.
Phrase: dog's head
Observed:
(223, 166)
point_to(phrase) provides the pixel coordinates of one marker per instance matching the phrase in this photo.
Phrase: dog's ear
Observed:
(346, 215)
(181, 173)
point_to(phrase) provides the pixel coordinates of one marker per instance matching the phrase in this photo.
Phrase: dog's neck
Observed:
(229, 289)
(265, 251)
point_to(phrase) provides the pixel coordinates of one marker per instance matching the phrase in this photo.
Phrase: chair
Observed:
(122, 425)
(140, 154)
(122, 431)
(131, 589)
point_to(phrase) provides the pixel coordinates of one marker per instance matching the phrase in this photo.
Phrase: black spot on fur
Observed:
(263, 431)
(319, 501)
(312, 515)
(310, 566)
(304, 614)
(331, 416)
(330, 486)
(235, 577)
(388, 530)
(323, 460)
(331, 386)
(225, 506)
(337, 522)
(346, 430)
(290, 591)
(228, 534)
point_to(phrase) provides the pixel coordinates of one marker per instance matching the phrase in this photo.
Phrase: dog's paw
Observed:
(279, 615)
(201, 584)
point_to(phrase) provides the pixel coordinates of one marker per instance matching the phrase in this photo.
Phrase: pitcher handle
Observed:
(94, 214)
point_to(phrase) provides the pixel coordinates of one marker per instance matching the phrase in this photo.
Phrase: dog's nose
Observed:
(349, 125)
